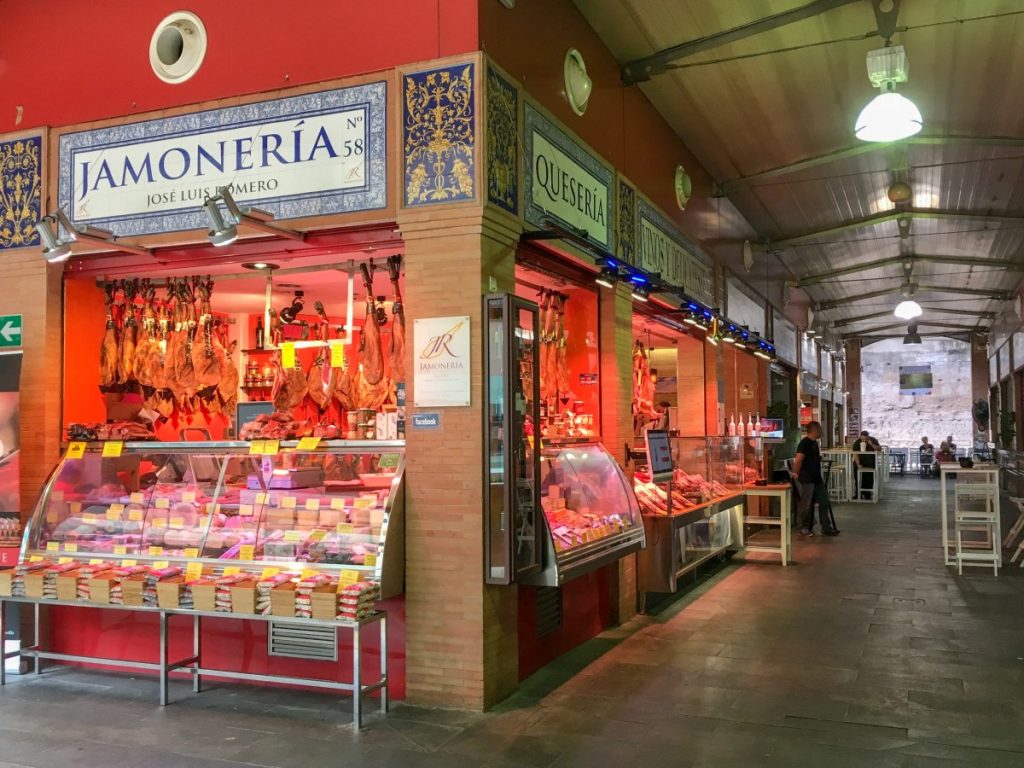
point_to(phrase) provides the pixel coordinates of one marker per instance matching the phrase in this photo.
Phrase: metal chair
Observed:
(927, 462)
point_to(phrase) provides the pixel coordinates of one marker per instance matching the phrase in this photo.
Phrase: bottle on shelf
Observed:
(757, 426)
(750, 426)
(259, 333)
(732, 425)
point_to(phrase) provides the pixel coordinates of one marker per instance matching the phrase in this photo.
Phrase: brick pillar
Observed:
(979, 380)
(615, 315)
(853, 386)
(461, 646)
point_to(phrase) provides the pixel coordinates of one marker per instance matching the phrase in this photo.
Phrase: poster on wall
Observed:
(853, 422)
(441, 376)
(915, 379)
(10, 475)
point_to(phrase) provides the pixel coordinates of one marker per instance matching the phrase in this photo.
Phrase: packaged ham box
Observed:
(204, 594)
(243, 596)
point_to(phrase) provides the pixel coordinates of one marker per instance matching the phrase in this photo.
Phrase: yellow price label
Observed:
(90, 519)
(189, 496)
(256, 448)
(261, 498)
(247, 552)
(292, 536)
(363, 502)
(75, 507)
(245, 510)
(288, 502)
(309, 443)
(308, 573)
(112, 449)
(161, 564)
(135, 515)
(268, 573)
(193, 571)
(129, 563)
(158, 522)
(190, 552)
(337, 356)
(137, 498)
(177, 522)
(155, 551)
(233, 571)
(95, 561)
(288, 355)
(117, 509)
(347, 577)
(76, 450)
(162, 503)
(52, 546)
(345, 528)
(271, 447)
(317, 535)
(313, 505)
(65, 560)
(369, 560)
(70, 547)
(113, 514)
(36, 559)
(57, 496)
(337, 504)
(120, 549)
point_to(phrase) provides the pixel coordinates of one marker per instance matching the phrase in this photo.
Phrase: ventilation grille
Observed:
(549, 610)
(299, 642)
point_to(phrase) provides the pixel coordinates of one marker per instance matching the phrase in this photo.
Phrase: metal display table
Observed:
(782, 492)
(193, 664)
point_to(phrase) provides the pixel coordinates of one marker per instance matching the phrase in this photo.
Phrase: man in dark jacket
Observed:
(810, 485)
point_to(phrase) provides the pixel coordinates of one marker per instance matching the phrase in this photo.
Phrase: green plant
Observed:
(1007, 428)
(780, 410)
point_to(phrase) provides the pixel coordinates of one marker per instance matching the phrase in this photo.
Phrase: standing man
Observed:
(810, 485)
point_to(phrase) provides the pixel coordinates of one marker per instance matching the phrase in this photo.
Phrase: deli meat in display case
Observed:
(250, 506)
(591, 515)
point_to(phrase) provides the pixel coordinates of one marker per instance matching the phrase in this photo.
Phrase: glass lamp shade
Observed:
(907, 310)
(888, 117)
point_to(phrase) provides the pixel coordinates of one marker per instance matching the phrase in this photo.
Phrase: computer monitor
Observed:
(246, 412)
(659, 455)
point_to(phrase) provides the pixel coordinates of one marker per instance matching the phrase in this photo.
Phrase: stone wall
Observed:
(901, 420)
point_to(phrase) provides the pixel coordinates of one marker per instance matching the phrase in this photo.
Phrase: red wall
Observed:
(68, 61)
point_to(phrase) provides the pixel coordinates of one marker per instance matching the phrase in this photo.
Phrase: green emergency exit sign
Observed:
(10, 330)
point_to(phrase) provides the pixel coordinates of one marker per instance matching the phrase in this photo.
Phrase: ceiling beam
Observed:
(964, 261)
(932, 310)
(643, 69)
(887, 216)
(990, 294)
(728, 187)
(904, 324)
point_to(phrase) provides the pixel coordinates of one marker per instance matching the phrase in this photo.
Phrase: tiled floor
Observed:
(867, 652)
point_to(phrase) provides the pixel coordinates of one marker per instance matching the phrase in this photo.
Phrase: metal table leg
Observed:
(357, 685)
(163, 659)
(384, 663)
(35, 639)
(197, 684)
(3, 642)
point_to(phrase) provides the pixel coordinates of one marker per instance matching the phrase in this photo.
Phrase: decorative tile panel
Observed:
(439, 135)
(502, 142)
(627, 222)
(21, 184)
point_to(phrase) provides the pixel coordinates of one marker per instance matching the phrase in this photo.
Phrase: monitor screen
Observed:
(659, 455)
(771, 428)
(246, 412)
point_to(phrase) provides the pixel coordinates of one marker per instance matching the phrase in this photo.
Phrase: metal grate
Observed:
(302, 642)
(549, 610)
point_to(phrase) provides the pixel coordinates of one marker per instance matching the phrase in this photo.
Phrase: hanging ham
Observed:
(547, 383)
(108, 347)
(129, 337)
(227, 387)
(371, 358)
(322, 378)
(397, 356)
(290, 386)
(561, 351)
(147, 337)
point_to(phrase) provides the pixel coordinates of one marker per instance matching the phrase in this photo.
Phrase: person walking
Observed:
(810, 485)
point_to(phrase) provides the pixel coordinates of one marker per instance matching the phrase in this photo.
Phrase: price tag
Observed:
(313, 505)
(113, 514)
(161, 564)
(76, 450)
(347, 578)
(163, 503)
(337, 356)
(261, 498)
(135, 515)
(158, 522)
(75, 507)
(256, 448)
(177, 522)
(120, 549)
(317, 535)
(288, 502)
(337, 503)
(271, 447)
(389, 461)
(269, 573)
(65, 560)
(57, 496)
(363, 502)
(190, 552)
(70, 547)
(233, 571)
(129, 563)
(52, 546)
(369, 560)
(309, 443)
(292, 536)
(112, 449)
(155, 551)
(288, 355)
(245, 510)
(308, 573)
(189, 496)
(95, 561)
(36, 559)
(51, 517)
(345, 528)
(247, 552)
(90, 519)
(137, 498)
(193, 571)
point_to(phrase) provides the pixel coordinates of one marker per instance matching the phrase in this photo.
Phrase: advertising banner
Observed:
(441, 376)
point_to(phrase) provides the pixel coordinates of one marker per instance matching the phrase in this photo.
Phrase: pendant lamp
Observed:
(889, 116)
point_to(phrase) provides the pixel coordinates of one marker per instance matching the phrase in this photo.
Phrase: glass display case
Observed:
(338, 505)
(737, 461)
(592, 517)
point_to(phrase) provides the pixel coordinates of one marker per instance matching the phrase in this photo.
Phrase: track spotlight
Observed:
(223, 232)
(607, 277)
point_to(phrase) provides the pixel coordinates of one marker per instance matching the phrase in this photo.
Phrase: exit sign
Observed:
(10, 330)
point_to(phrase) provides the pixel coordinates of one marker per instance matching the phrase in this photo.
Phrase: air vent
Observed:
(178, 47)
(549, 610)
(302, 642)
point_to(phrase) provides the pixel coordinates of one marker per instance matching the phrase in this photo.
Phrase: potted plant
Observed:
(1007, 429)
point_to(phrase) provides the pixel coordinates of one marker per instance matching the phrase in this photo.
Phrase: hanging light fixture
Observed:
(889, 116)
(912, 337)
(908, 310)
(607, 277)
(640, 292)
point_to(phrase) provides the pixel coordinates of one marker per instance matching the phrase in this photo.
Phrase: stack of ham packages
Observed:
(224, 584)
(85, 574)
(356, 601)
(124, 590)
(50, 579)
(264, 589)
(18, 584)
(149, 595)
(303, 591)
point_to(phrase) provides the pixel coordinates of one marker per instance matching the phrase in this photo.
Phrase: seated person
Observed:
(944, 456)
(927, 453)
(926, 447)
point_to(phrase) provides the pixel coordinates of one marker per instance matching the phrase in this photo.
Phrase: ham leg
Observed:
(129, 337)
(397, 357)
(108, 347)
(372, 358)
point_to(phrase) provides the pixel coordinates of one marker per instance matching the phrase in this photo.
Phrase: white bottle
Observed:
(750, 425)
(757, 426)
(732, 425)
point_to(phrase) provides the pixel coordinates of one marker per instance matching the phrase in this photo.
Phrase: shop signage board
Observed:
(1004, 360)
(10, 330)
(426, 420)
(784, 334)
(742, 309)
(442, 365)
(564, 182)
(310, 155)
(663, 249)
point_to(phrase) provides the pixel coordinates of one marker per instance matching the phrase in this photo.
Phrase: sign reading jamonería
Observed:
(564, 182)
(306, 155)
